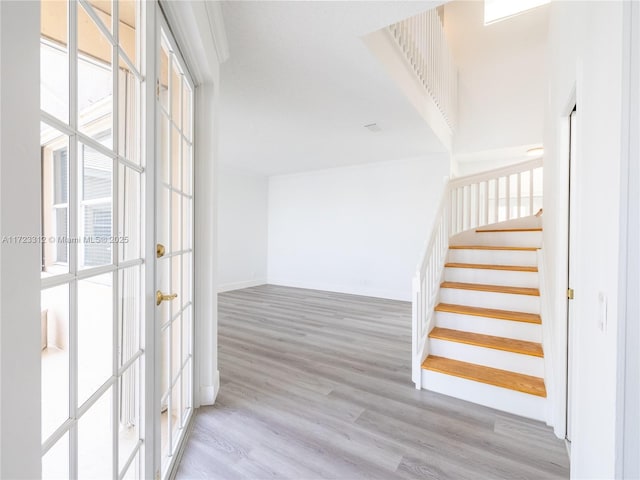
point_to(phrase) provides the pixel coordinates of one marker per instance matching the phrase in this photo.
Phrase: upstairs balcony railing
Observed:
(425, 47)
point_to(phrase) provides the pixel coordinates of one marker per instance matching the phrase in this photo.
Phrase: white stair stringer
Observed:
(531, 332)
(504, 399)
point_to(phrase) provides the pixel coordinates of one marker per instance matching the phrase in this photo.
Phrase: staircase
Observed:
(486, 342)
(476, 323)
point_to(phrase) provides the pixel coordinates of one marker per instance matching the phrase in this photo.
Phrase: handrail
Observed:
(467, 202)
(426, 283)
(424, 44)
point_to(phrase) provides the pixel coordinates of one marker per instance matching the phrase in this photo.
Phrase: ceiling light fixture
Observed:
(535, 152)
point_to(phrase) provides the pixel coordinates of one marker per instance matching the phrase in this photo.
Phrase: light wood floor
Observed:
(318, 385)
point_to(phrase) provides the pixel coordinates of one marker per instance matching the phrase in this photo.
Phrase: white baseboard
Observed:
(209, 393)
(227, 287)
(350, 289)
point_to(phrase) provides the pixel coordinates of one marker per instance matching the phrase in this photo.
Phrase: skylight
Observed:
(496, 10)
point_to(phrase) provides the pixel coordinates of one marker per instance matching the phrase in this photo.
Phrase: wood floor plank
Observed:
(491, 376)
(488, 341)
(490, 313)
(317, 385)
(479, 287)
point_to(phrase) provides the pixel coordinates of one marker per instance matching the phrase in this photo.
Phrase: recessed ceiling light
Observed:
(535, 152)
(373, 127)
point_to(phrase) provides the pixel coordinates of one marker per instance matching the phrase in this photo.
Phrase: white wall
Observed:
(242, 229)
(585, 53)
(502, 77)
(356, 229)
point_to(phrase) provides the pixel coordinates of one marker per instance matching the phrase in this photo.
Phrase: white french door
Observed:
(174, 233)
(117, 178)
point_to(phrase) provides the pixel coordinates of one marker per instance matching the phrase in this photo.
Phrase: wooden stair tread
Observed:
(489, 312)
(493, 230)
(479, 287)
(491, 376)
(492, 247)
(483, 266)
(487, 341)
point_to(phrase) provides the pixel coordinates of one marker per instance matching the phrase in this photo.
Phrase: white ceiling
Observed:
(300, 85)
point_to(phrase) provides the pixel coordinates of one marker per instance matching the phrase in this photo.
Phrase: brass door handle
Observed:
(160, 250)
(161, 297)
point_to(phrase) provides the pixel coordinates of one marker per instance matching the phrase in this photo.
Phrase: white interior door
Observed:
(174, 227)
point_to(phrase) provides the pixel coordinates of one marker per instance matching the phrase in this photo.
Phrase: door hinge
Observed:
(570, 293)
(158, 89)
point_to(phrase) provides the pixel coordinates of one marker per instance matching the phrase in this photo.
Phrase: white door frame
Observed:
(627, 464)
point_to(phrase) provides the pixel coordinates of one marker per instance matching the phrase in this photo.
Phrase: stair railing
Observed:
(467, 202)
(423, 41)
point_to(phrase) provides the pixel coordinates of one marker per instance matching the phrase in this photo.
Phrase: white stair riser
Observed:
(492, 277)
(513, 239)
(503, 399)
(499, 301)
(527, 258)
(530, 332)
(489, 357)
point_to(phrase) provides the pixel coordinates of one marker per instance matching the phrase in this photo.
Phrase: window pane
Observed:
(186, 224)
(55, 463)
(187, 168)
(187, 111)
(176, 344)
(128, 414)
(186, 333)
(130, 215)
(176, 414)
(176, 92)
(187, 390)
(102, 9)
(134, 472)
(164, 76)
(54, 59)
(129, 306)
(95, 440)
(54, 318)
(95, 208)
(176, 144)
(176, 213)
(165, 171)
(129, 114)
(95, 82)
(128, 26)
(55, 197)
(95, 334)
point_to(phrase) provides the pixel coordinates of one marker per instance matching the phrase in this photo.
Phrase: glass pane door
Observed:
(174, 266)
(93, 177)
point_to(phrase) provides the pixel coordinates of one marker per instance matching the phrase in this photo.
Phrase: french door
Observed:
(174, 250)
(117, 369)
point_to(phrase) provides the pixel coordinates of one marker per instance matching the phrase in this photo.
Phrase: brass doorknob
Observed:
(161, 297)
(160, 250)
